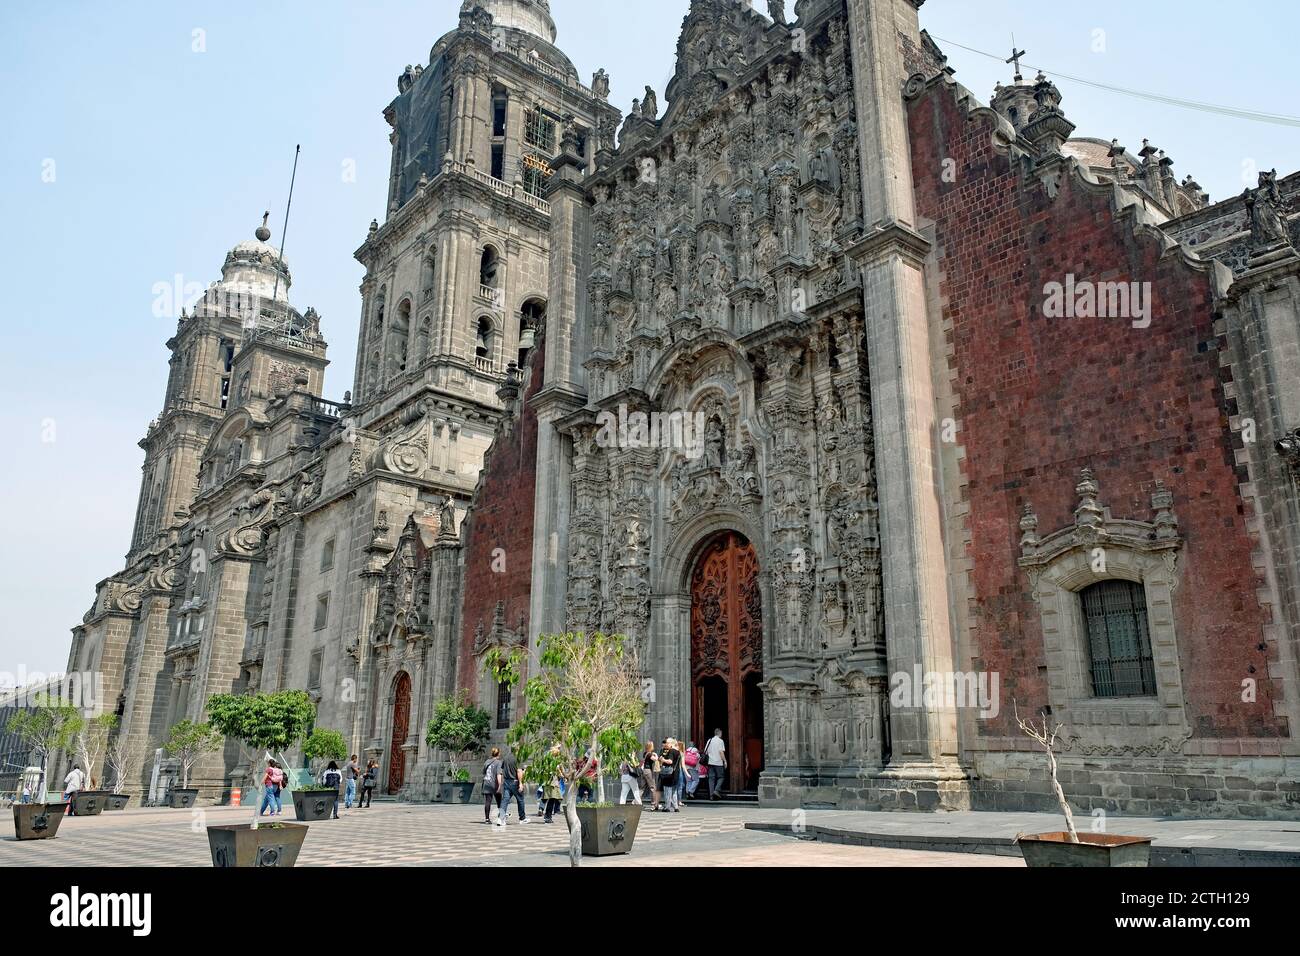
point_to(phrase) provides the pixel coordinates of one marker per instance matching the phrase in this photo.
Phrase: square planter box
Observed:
(117, 801)
(607, 831)
(37, 821)
(182, 799)
(1093, 849)
(271, 844)
(88, 803)
(456, 792)
(310, 806)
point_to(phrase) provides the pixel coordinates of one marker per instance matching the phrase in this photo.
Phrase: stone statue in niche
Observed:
(819, 168)
(715, 439)
(600, 84)
(776, 10)
(1266, 213)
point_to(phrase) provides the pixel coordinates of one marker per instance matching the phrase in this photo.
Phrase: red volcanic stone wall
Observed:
(1040, 398)
(502, 518)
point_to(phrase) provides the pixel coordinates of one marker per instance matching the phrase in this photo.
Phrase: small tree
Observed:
(324, 744)
(1046, 738)
(92, 740)
(584, 705)
(50, 726)
(188, 741)
(122, 761)
(269, 723)
(460, 728)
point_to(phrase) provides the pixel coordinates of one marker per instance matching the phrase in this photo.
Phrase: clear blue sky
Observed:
(164, 157)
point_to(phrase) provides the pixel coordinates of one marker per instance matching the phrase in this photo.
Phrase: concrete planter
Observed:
(88, 803)
(271, 844)
(117, 801)
(1093, 849)
(310, 806)
(607, 831)
(37, 821)
(456, 792)
(182, 799)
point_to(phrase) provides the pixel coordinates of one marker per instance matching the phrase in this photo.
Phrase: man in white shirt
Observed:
(716, 752)
(72, 783)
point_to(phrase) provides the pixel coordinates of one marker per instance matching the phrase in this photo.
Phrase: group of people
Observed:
(665, 776)
(275, 780)
(661, 777)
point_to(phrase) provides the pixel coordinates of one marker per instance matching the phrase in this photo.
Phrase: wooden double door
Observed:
(727, 655)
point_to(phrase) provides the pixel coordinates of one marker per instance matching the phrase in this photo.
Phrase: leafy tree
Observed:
(460, 728)
(583, 705)
(91, 743)
(50, 726)
(325, 744)
(188, 741)
(271, 723)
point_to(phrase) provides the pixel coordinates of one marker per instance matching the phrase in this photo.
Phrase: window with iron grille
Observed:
(539, 131)
(1119, 641)
(503, 706)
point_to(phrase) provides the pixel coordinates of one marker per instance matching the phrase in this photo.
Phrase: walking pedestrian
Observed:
(27, 792)
(73, 782)
(681, 774)
(629, 775)
(715, 751)
(351, 772)
(668, 776)
(332, 776)
(512, 789)
(369, 780)
(272, 780)
(691, 760)
(553, 791)
(586, 786)
(491, 783)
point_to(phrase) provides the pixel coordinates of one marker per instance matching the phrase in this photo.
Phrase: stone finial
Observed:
(263, 233)
(374, 226)
(1162, 503)
(1089, 514)
(1029, 539)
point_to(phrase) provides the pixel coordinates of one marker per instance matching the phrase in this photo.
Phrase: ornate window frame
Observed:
(1098, 547)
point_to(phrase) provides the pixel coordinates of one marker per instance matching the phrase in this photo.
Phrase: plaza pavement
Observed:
(399, 834)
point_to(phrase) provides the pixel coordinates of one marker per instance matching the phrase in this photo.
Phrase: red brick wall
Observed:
(502, 518)
(1041, 398)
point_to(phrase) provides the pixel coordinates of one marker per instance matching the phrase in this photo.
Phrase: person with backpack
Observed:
(491, 781)
(669, 759)
(350, 773)
(511, 789)
(691, 761)
(331, 776)
(272, 781)
(369, 780)
(629, 775)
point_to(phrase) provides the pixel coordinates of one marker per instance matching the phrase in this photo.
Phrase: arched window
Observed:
(483, 343)
(489, 266)
(399, 336)
(531, 318)
(1119, 640)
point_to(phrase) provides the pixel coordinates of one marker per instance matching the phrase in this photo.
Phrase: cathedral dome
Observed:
(530, 16)
(254, 266)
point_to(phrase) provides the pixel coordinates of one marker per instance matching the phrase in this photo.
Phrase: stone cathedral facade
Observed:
(965, 418)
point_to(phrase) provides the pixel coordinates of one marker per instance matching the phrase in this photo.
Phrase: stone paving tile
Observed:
(394, 834)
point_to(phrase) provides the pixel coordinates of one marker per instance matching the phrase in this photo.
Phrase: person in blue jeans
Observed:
(272, 781)
(350, 772)
(511, 789)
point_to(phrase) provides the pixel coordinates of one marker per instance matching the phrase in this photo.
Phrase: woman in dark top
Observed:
(492, 784)
(368, 783)
(668, 760)
(650, 774)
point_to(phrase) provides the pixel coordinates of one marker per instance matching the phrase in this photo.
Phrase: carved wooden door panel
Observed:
(401, 724)
(726, 648)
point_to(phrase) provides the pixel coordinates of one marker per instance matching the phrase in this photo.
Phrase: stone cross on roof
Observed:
(1015, 58)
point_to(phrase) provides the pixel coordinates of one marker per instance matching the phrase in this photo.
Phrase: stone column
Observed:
(891, 257)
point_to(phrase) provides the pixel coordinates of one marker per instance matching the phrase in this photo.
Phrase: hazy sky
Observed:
(137, 150)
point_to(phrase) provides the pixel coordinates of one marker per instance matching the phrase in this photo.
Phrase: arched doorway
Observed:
(401, 723)
(727, 654)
